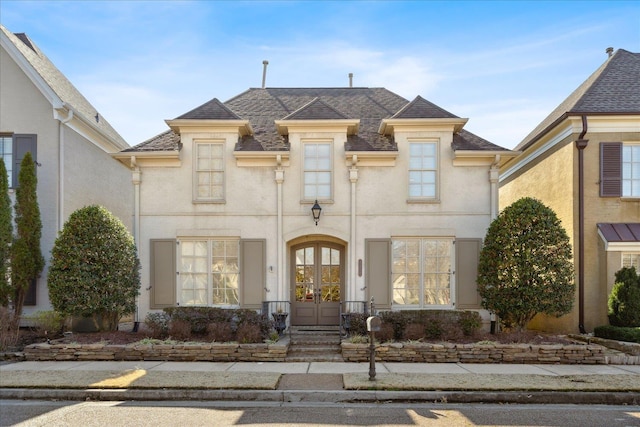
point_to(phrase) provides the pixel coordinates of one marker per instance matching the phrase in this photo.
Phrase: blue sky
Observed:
(503, 64)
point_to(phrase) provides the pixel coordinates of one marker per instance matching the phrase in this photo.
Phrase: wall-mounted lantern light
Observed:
(315, 211)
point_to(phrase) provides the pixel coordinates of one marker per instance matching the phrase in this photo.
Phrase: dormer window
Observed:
(209, 171)
(423, 170)
(318, 171)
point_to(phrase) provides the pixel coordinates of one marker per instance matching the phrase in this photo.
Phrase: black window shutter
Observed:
(21, 145)
(30, 294)
(610, 169)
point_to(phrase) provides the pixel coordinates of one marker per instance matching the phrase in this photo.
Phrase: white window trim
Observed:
(425, 200)
(452, 275)
(303, 198)
(194, 180)
(622, 180)
(209, 288)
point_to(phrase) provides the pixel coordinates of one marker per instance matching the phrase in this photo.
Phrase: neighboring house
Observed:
(583, 161)
(42, 112)
(224, 198)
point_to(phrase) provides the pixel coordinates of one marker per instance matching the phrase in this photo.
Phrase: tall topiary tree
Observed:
(94, 271)
(624, 300)
(526, 265)
(6, 235)
(26, 258)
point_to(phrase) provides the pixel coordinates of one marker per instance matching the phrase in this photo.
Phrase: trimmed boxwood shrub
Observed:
(618, 333)
(219, 324)
(434, 324)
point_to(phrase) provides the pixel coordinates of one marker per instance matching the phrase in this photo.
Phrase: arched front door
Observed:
(317, 283)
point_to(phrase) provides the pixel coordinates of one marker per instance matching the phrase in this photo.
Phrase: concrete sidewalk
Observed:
(321, 381)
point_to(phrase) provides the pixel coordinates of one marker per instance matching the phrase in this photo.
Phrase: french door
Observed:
(317, 283)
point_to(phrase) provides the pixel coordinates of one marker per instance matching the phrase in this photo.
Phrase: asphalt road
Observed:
(272, 414)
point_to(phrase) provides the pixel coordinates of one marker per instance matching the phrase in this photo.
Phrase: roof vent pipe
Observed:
(350, 79)
(264, 73)
(609, 51)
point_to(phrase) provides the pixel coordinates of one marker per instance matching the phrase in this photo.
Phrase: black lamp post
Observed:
(315, 211)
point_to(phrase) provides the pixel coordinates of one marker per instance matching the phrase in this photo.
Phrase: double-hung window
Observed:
(317, 174)
(423, 170)
(209, 272)
(422, 272)
(631, 170)
(209, 171)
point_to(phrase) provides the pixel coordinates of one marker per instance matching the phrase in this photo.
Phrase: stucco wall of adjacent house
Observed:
(91, 175)
(550, 180)
(24, 110)
(250, 207)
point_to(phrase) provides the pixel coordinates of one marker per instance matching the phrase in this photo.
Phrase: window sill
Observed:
(211, 202)
(423, 201)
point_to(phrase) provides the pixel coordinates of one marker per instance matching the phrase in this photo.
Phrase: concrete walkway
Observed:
(321, 381)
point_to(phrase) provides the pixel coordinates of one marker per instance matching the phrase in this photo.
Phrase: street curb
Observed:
(338, 396)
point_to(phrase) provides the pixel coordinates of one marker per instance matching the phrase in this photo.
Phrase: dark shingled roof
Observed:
(212, 110)
(420, 108)
(620, 232)
(316, 110)
(614, 88)
(166, 141)
(262, 106)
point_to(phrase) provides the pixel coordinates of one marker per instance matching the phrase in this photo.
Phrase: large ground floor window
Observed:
(422, 272)
(208, 272)
(631, 260)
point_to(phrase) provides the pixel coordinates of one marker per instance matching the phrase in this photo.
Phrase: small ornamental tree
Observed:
(6, 235)
(26, 258)
(526, 265)
(94, 271)
(624, 300)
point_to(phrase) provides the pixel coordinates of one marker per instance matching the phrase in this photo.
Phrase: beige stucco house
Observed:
(583, 161)
(42, 112)
(224, 198)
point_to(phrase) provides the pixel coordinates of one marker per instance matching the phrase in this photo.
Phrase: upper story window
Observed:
(423, 170)
(209, 171)
(422, 272)
(620, 169)
(209, 272)
(318, 171)
(631, 170)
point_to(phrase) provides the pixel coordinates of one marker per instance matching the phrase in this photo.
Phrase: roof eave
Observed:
(243, 127)
(388, 126)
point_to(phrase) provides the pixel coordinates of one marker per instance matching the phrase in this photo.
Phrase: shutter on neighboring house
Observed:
(467, 257)
(378, 272)
(163, 273)
(610, 169)
(21, 145)
(30, 295)
(253, 268)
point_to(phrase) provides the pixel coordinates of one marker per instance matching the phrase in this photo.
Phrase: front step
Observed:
(314, 344)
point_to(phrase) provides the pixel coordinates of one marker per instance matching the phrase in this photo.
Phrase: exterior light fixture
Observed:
(315, 211)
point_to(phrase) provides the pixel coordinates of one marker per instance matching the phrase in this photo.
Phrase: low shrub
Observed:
(220, 332)
(9, 335)
(248, 333)
(618, 333)
(157, 324)
(180, 329)
(47, 323)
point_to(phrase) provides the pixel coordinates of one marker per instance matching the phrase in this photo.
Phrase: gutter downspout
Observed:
(494, 172)
(136, 179)
(279, 176)
(353, 177)
(61, 124)
(581, 144)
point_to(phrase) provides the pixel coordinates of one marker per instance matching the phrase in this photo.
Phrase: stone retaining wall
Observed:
(477, 353)
(164, 352)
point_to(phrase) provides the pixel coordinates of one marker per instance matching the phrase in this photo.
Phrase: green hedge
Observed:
(618, 333)
(417, 324)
